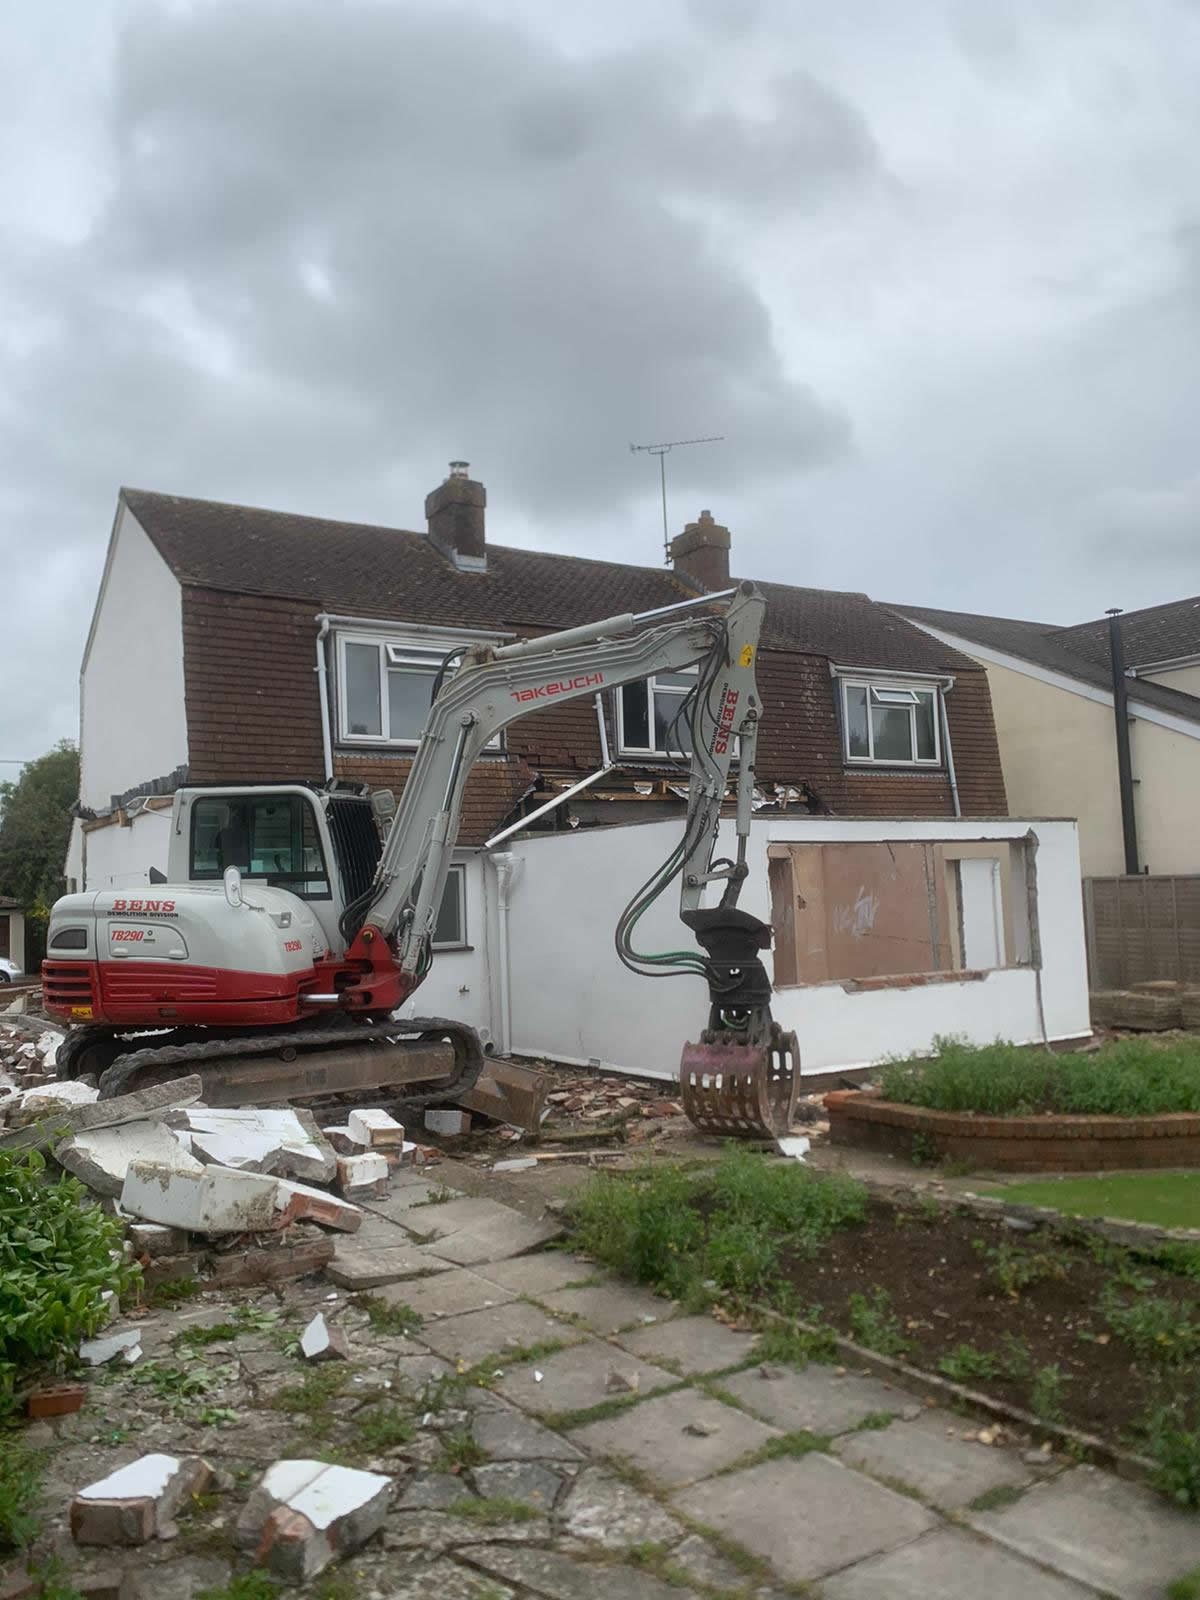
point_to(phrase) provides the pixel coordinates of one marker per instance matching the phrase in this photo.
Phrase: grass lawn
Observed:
(1168, 1199)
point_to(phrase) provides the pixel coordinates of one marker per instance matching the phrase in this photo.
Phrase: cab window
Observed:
(270, 837)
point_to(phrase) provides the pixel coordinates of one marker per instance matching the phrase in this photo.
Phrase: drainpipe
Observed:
(1121, 713)
(949, 749)
(505, 864)
(323, 691)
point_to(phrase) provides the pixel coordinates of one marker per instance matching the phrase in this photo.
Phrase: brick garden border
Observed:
(1048, 1143)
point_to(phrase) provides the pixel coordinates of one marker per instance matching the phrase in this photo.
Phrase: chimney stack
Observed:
(701, 553)
(454, 512)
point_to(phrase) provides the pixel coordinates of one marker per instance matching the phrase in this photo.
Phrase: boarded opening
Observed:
(896, 908)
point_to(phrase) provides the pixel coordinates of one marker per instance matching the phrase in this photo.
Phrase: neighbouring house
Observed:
(1052, 698)
(232, 644)
(12, 934)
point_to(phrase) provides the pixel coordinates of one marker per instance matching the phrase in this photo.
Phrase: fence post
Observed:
(1089, 929)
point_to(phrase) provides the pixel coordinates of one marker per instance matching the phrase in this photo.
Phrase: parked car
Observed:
(10, 972)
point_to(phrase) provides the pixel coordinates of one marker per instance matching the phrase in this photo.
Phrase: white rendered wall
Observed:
(133, 726)
(573, 1001)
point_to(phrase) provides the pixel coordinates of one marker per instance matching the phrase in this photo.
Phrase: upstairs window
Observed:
(649, 719)
(385, 687)
(890, 724)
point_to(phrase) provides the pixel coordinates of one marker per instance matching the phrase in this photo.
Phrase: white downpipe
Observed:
(323, 690)
(506, 866)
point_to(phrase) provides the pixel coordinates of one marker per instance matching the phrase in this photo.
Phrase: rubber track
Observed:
(191, 1058)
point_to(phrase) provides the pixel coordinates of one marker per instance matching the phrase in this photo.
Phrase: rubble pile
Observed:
(28, 1046)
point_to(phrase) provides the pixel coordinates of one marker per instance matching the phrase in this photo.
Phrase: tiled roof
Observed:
(359, 570)
(1158, 634)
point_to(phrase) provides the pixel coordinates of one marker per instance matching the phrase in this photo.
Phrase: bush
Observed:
(1127, 1078)
(56, 1260)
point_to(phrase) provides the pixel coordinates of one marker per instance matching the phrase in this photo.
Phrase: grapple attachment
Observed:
(741, 1079)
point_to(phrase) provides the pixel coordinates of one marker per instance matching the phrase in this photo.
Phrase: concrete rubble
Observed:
(305, 1514)
(138, 1502)
(127, 1344)
(375, 1130)
(286, 1143)
(320, 1342)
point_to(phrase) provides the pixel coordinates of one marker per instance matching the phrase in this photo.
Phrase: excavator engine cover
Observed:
(741, 1079)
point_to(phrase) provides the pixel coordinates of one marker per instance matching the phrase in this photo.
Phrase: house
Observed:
(232, 644)
(12, 934)
(1052, 698)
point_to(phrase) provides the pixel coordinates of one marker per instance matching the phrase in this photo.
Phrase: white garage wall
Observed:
(573, 1001)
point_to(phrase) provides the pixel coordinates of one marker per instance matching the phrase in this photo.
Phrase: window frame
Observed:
(649, 683)
(898, 687)
(457, 872)
(248, 798)
(387, 644)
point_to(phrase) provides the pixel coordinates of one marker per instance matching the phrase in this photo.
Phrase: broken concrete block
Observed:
(305, 1513)
(314, 1205)
(375, 1129)
(49, 1101)
(138, 1501)
(320, 1342)
(448, 1123)
(279, 1142)
(100, 1157)
(207, 1200)
(152, 1239)
(343, 1141)
(104, 1114)
(126, 1343)
(360, 1177)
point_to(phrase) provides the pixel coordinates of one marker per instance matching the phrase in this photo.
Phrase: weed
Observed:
(436, 1197)
(20, 1495)
(53, 1581)
(874, 1420)
(460, 1449)
(1046, 1393)
(56, 1260)
(875, 1325)
(494, 1509)
(797, 1444)
(1186, 1587)
(996, 1498)
(1183, 1260)
(386, 1317)
(1015, 1359)
(655, 1558)
(1013, 1269)
(172, 1292)
(562, 1421)
(1155, 1326)
(315, 1390)
(218, 1333)
(929, 1209)
(965, 1364)
(796, 1347)
(1173, 1442)
(382, 1427)
(923, 1150)
(255, 1585)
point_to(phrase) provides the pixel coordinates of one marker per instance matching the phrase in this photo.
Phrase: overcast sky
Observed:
(932, 269)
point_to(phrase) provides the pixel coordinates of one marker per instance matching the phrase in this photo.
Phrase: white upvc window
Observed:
(890, 723)
(385, 687)
(450, 929)
(648, 715)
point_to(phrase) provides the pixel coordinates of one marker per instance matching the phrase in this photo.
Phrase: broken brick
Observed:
(375, 1129)
(138, 1501)
(59, 1400)
(303, 1514)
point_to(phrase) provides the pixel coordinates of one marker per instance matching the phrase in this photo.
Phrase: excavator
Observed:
(273, 956)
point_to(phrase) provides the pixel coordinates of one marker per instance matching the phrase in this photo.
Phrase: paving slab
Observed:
(691, 1344)
(539, 1274)
(476, 1334)
(608, 1307)
(431, 1491)
(578, 1378)
(946, 1565)
(922, 1455)
(452, 1216)
(559, 1578)
(705, 1563)
(1120, 1537)
(448, 1294)
(496, 1240)
(436, 1532)
(602, 1509)
(529, 1481)
(440, 1579)
(806, 1517)
(654, 1436)
(414, 1372)
(512, 1436)
(357, 1267)
(813, 1398)
(407, 1190)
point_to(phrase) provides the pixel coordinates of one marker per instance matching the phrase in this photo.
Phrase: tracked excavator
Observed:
(275, 957)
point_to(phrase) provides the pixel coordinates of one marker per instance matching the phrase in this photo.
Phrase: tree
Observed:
(35, 830)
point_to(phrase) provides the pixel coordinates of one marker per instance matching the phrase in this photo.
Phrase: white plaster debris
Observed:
(100, 1157)
(794, 1145)
(375, 1129)
(44, 1099)
(148, 1476)
(209, 1200)
(250, 1139)
(320, 1342)
(517, 1164)
(304, 1513)
(448, 1123)
(126, 1343)
(138, 1501)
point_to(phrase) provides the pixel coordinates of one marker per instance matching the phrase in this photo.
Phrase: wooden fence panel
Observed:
(1142, 928)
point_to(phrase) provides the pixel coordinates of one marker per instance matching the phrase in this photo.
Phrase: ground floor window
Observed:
(450, 929)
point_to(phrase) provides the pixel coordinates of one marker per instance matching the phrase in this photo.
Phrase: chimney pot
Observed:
(701, 553)
(455, 513)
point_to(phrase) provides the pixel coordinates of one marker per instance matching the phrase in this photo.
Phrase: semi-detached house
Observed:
(232, 644)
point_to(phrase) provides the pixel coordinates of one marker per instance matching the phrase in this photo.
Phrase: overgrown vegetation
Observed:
(493, 1510)
(1012, 1269)
(716, 1233)
(1127, 1078)
(20, 1493)
(386, 1316)
(874, 1323)
(56, 1261)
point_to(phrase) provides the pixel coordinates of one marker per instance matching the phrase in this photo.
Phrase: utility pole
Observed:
(662, 451)
(1116, 647)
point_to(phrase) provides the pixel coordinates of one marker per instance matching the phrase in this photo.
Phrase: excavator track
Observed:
(313, 1063)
